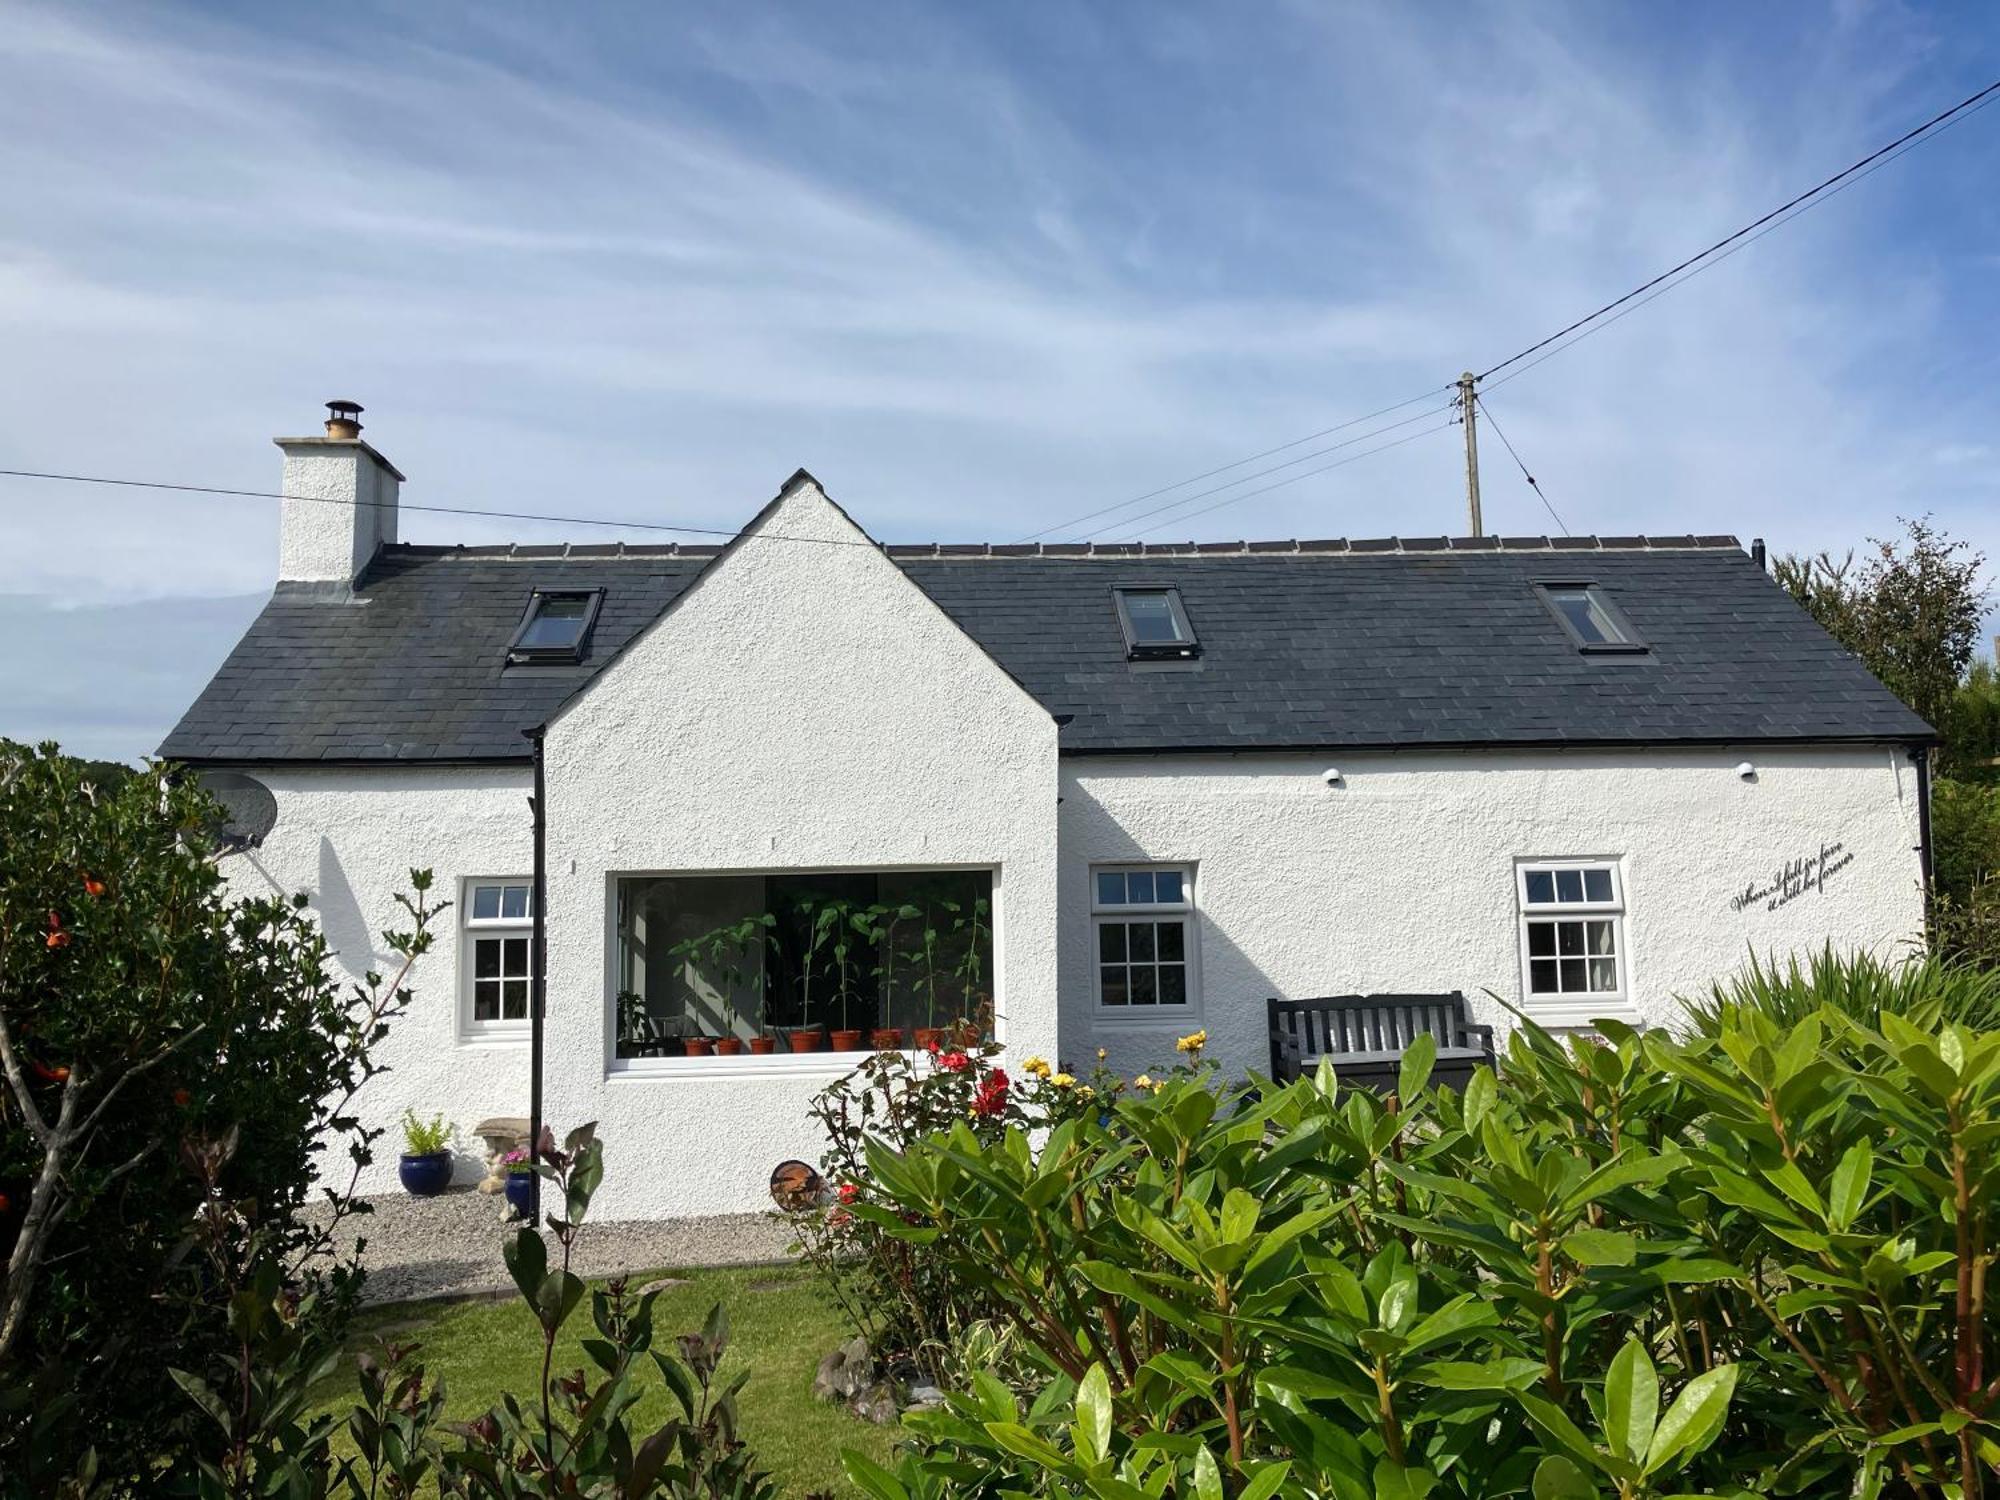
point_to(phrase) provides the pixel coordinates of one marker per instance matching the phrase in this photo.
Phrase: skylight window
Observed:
(555, 626)
(1592, 621)
(1155, 624)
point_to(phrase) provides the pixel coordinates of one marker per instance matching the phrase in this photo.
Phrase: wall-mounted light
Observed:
(1747, 771)
(1331, 776)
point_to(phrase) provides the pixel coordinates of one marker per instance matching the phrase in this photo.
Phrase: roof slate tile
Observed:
(1320, 644)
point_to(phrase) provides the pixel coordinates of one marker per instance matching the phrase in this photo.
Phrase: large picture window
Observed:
(497, 933)
(1143, 918)
(1572, 932)
(743, 959)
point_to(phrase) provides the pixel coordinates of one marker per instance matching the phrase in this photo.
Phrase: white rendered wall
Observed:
(804, 706)
(349, 838)
(345, 507)
(1402, 879)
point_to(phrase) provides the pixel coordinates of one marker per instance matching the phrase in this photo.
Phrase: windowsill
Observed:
(519, 1038)
(1573, 1013)
(744, 1065)
(1159, 1016)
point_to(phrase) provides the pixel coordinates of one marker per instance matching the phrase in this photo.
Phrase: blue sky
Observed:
(980, 268)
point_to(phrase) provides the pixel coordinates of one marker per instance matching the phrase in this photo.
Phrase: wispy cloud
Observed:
(980, 269)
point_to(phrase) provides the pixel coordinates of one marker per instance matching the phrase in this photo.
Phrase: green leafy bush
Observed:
(1311, 1291)
(569, 1435)
(143, 1008)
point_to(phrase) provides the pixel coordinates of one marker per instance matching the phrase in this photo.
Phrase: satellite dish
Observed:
(248, 811)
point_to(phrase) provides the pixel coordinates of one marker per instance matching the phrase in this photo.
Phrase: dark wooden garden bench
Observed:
(1364, 1036)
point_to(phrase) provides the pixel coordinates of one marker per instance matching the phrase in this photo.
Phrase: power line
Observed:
(1661, 291)
(1493, 422)
(1339, 463)
(1902, 142)
(446, 510)
(1239, 463)
(1363, 437)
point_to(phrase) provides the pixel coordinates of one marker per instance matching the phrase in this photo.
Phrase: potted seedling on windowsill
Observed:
(849, 928)
(688, 953)
(731, 950)
(925, 958)
(970, 972)
(633, 1020)
(808, 1034)
(425, 1168)
(883, 921)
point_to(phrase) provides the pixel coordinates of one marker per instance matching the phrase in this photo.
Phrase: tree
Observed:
(1911, 613)
(142, 1009)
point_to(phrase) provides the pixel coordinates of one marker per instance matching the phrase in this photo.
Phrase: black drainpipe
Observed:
(538, 966)
(1921, 755)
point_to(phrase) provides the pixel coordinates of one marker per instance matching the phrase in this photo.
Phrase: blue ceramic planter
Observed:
(425, 1176)
(521, 1193)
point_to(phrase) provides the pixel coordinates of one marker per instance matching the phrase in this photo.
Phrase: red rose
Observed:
(849, 1191)
(953, 1062)
(57, 938)
(93, 885)
(992, 1096)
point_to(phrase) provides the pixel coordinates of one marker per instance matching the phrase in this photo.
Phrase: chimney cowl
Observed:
(343, 419)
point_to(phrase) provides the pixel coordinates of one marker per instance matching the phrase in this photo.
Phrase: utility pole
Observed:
(1468, 402)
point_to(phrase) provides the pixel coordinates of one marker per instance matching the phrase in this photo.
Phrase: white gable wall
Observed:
(804, 706)
(1401, 878)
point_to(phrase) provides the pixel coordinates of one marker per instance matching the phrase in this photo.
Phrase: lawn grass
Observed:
(779, 1327)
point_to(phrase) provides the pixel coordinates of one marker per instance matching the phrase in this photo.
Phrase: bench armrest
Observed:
(1285, 1048)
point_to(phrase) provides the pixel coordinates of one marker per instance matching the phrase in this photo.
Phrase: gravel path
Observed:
(449, 1246)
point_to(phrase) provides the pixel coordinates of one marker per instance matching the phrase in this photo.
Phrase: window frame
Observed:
(1187, 909)
(1575, 1007)
(1186, 649)
(1631, 643)
(649, 1072)
(518, 654)
(471, 930)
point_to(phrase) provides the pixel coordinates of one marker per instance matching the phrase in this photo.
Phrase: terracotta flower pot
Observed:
(697, 1046)
(763, 1046)
(930, 1038)
(888, 1038)
(805, 1038)
(729, 1046)
(847, 1040)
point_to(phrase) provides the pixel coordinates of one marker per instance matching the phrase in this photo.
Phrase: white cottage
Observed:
(1096, 795)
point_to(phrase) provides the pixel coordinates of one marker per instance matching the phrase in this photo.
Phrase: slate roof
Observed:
(1324, 645)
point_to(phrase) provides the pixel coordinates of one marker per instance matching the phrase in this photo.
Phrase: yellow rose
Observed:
(1036, 1067)
(1063, 1081)
(1142, 1082)
(1102, 1054)
(1192, 1043)
(1086, 1092)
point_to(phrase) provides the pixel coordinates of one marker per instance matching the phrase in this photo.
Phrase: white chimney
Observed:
(340, 505)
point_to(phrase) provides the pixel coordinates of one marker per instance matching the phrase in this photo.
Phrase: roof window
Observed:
(1592, 621)
(1155, 624)
(555, 626)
